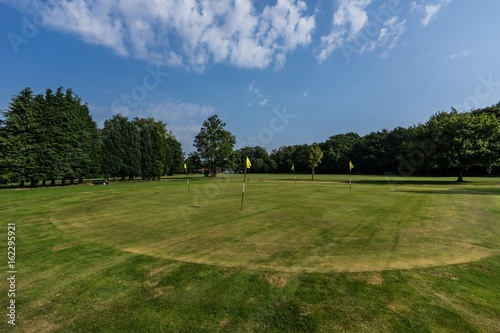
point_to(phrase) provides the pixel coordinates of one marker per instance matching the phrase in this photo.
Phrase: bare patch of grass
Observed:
(279, 280)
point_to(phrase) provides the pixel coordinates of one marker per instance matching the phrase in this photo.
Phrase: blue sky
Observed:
(278, 72)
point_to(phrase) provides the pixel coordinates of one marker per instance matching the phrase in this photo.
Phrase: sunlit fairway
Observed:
(310, 226)
(414, 254)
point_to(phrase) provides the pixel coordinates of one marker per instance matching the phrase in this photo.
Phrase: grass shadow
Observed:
(407, 182)
(486, 192)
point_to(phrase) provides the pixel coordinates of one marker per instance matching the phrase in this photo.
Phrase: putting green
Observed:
(310, 226)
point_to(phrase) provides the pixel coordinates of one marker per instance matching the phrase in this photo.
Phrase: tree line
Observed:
(448, 143)
(139, 147)
(52, 136)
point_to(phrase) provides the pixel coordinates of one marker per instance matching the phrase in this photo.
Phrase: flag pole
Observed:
(350, 181)
(351, 166)
(294, 178)
(247, 166)
(187, 178)
(243, 191)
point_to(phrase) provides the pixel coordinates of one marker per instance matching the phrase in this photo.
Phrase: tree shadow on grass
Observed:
(486, 192)
(407, 182)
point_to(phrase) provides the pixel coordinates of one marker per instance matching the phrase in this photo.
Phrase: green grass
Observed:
(412, 254)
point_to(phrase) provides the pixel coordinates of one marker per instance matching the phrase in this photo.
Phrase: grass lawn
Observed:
(405, 254)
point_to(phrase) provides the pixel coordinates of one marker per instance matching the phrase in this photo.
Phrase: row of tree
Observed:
(48, 137)
(51, 136)
(448, 142)
(141, 147)
(215, 151)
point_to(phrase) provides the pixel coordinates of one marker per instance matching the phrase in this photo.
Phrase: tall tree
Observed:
(121, 148)
(284, 157)
(19, 143)
(174, 156)
(4, 177)
(261, 161)
(311, 156)
(193, 162)
(377, 152)
(159, 148)
(465, 140)
(215, 145)
(49, 136)
(338, 151)
(146, 147)
(82, 138)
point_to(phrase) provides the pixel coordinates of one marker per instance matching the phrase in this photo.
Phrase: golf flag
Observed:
(187, 177)
(247, 166)
(293, 167)
(351, 166)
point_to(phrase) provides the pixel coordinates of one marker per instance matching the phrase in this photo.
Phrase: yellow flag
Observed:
(351, 166)
(248, 165)
(185, 167)
(293, 167)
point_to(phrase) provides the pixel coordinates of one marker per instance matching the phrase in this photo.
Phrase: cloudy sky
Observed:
(277, 72)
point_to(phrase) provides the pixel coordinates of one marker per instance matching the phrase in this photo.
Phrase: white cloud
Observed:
(182, 118)
(459, 55)
(357, 30)
(353, 14)
(253, 89)
(264, 102)
(389, 34)
(430, 10)
(330, 43)
(256, 96)
(190, 33)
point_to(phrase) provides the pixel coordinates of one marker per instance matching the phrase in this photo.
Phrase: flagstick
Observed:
(243, 192)
(187, 180)
(294, 178)
(350, 181)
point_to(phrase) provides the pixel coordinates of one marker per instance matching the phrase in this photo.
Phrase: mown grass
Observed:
(416, 254)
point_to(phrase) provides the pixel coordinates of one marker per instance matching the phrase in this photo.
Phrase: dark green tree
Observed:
(338, 151)
(372, 153)
(146, 147)
(311, 156)
(82, 137)
(121, 148)
(494, 109)
(464, 140)
(193, 162)
(261, 161)
(284, 157)
(49, 136)
(215, 145)
(159, 148)
(174, 155)
(19, 145)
